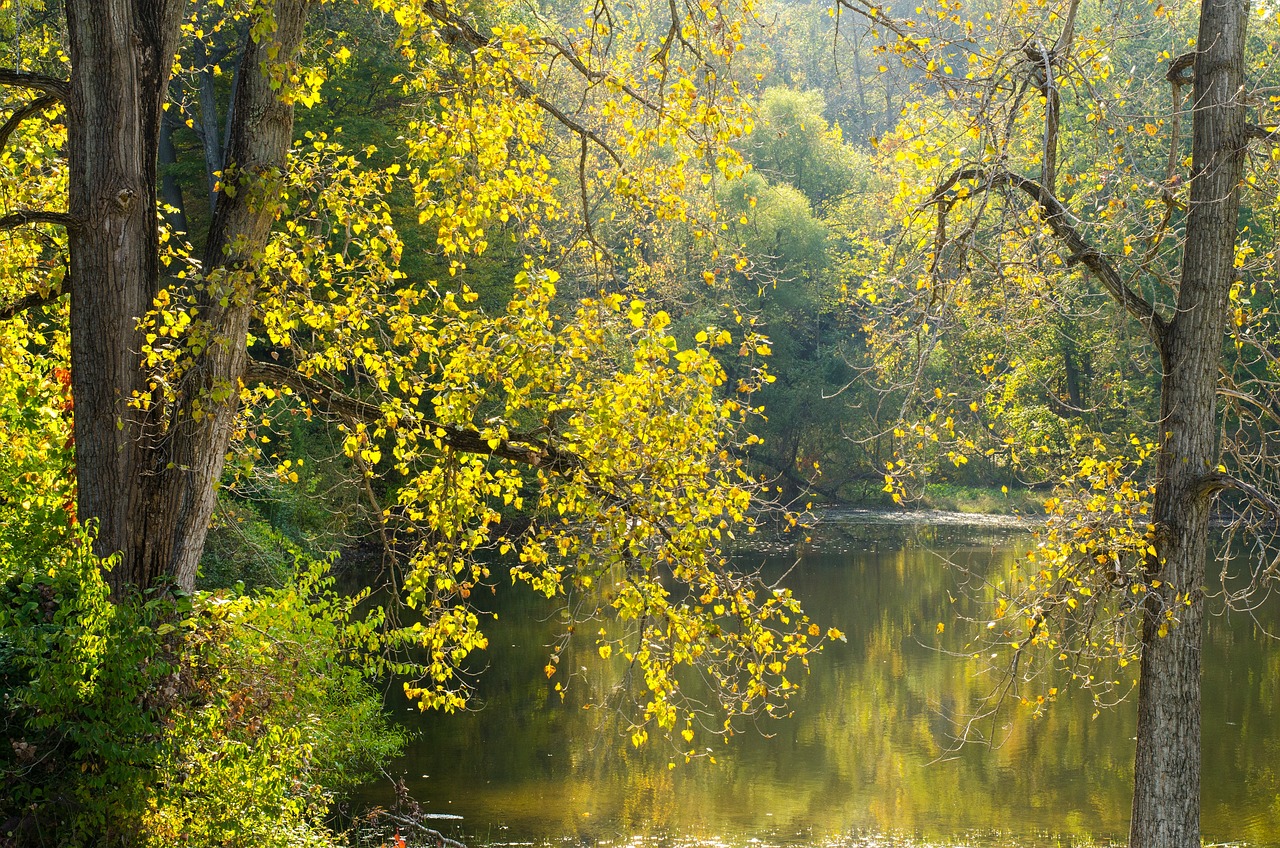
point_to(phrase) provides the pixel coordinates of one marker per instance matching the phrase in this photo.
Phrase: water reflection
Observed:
(865, 760)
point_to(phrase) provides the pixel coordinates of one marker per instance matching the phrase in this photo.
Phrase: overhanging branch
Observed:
(60, 89)
(524, 448)
(27, 217)
(22, 113)
(1058, 217)
(464, 31)
(516, 447)
(27, 303)
(1211, 484)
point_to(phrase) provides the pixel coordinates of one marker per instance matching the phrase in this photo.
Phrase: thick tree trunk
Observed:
(1166, 802)
(147, 478)
(121, 53)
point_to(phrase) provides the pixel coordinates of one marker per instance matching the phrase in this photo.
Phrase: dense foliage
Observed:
(564, 297)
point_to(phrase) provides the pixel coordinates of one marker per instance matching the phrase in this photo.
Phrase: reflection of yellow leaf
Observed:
(941, 627)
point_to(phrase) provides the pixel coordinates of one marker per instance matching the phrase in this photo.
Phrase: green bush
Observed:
(227, 719)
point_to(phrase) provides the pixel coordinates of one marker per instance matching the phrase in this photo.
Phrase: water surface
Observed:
(867, 758)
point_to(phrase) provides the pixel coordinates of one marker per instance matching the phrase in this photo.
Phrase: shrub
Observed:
(227, 719)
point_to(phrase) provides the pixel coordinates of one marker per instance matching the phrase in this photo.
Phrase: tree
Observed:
(587, 417)
(1030, 93)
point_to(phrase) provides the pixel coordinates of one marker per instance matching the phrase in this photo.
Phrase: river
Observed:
(866, 759)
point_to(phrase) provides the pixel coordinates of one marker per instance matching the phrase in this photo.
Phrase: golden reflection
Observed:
(869, 757)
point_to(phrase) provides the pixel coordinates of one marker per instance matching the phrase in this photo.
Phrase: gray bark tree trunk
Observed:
(1166, 801)
(146, 478)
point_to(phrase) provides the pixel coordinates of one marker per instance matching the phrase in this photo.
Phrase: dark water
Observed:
(865, 759)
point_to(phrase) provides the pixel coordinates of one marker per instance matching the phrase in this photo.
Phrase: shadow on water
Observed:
(864, 761)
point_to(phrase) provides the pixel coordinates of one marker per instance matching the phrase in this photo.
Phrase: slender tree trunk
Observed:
(1166, 802)
(170, 188)
(262, 131)
(146, 478)
(210, 136)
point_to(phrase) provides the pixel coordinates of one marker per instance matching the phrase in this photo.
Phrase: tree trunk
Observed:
(121, 53)
(147, 478)
(170, 188)
(1166, 802)
(261, 134)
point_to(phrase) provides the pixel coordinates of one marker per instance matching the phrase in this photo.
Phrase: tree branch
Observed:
(22, 113)
(875, 14)
(595, 76)
(1059, 219)
(1182, 69)
(26, 303)
(1217, 481)
(1263, 133)
(53, 86)
(457, 438)
(466, 32)
(26, 217)
(524, 448)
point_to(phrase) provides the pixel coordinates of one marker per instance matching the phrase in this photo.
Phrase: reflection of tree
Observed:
(861, 753)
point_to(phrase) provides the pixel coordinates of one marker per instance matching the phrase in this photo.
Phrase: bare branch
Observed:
(875, 14)
(596, 76)
(53, 86)
(570, 124)
(1182, 69)
(465, 31)
(1059, 219)
(1211, 484)
(22, 113)
(1063, 45)
(27, 217)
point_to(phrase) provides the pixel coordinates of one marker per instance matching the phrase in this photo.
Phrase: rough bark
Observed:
(1166, 803)
(260, 138)
(146, 478)
(120, 57)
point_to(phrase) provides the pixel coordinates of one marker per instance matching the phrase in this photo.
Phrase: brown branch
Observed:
(569, 123)
(26, 303)
(53, 86)
(524, 448)
(1063, 44)
(1052, 108)
(1217, 481)
(1182, 69)
(1263, 133)
(22, 113)
(1059, 219)
(26, 217)
(601, 76)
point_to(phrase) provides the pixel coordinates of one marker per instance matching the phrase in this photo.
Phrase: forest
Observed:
(324, 321)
